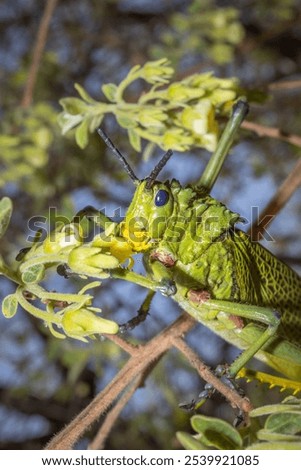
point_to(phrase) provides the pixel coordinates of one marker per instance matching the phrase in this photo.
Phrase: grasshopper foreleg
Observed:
(143, 312)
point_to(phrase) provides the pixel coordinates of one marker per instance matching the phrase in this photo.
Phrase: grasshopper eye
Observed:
(161, 198)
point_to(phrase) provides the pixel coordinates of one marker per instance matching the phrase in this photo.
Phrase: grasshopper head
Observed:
(152, 204)
(148, 214)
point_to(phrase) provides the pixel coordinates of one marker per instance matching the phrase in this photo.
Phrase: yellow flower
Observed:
(83, 322)
(152, 118)
(91, 261)
(181, 92)
(156, 71)
(200, 120)
(176, 139)
(64, 239)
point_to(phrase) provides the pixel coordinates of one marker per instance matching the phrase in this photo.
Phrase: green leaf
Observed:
(216, 433)
(279, 445)
(84, 94)
(189, 442)
(135, 140)
(73, 105)
(9, 305)
(110, 90)
(81, 134)
(278, 408)
(6, 208)
(126, 121)
(34, 274)
(264, 435)
(9, 140)
(67, 121)
(95, 121)
(284, 423)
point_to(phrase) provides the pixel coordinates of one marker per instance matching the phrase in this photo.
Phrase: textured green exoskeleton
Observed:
(229, 283)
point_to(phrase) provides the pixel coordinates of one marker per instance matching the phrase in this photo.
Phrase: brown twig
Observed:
(38, 48)
(281, 197)
(285, 85)
(136, 365)
(288, 187)
(231, 395)
(100, 438)
(131, 349)
(273, 132)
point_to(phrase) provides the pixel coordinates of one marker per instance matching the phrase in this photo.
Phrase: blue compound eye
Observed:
(161, 198)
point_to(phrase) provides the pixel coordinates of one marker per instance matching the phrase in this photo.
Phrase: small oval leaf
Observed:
(6, 208)
(284, 423)
(135, 139)
(190, 442)
(216, 433)
(81, 134)
(279, 445)
(67, 121)
(74, 106)
(10, 305)
(33, 274)
(126, 122)
(109, 90)
(84, 94)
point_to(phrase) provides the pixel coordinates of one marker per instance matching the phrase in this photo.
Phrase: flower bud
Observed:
(83, 322)
(64, 239)
(156, 71)
(176, 139)
(91, 261)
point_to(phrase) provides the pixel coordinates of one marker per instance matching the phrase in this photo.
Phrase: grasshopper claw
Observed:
(167, 287)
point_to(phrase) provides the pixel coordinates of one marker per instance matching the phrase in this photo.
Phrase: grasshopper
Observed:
(194, 253)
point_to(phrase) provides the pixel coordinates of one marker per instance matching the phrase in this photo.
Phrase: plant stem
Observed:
(37, 53)
(280, 198)
(44, 259)
(216, 161)
(272, 132)
(131, 276)
(136, 365)
(111, 417)
(35, 311)
(7, 272)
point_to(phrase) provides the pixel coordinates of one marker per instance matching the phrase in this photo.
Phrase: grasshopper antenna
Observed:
(119, 155)
(151, 178)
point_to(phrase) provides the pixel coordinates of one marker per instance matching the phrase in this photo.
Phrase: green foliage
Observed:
(180, 116)
(25, 140)
(203, 29)
(10, 306)
(200, 98)
(281, 430)
(6, 208)
(275, 11)
(71, 313)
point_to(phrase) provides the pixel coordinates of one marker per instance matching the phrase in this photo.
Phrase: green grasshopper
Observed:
(214, 271)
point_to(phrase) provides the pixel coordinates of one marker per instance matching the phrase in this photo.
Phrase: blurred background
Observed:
(44, 382)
